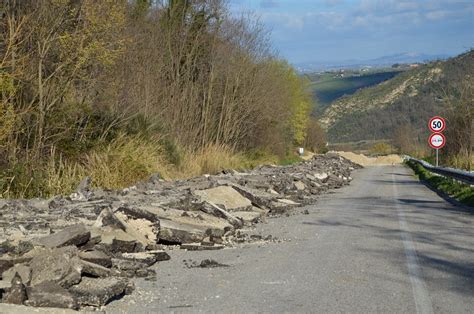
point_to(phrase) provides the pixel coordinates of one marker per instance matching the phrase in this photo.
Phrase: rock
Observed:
(281, 206)
(272, 191)
(155, 178)
(15, 247)
(160, 255)
(248, 217)
(96, 257)
(4, 285)
(210, 263)
(116, 240)
(22, 270)
(17, 292)
(192, 227)
(225, 196)
(300, 186)
(72, 235)
(257, 197)
(178, 232)
(323, 176)
(288, 202)
(50, 294)
(143, 230)
(200, 247)
(95, 270)
(60, 265)
(84, 186)
(107, 218)
(7, 261)
(142, 257)
(127, 266)
(212, 209)
(98, 292)
(141, 213)
(83, 191)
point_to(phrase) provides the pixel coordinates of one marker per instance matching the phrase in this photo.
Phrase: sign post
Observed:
(437, 139)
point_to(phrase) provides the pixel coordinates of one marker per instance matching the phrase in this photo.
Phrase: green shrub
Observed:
(459, 191)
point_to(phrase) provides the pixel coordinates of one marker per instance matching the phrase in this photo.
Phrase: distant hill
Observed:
(409, 98)
(407, 57)
(328, 90)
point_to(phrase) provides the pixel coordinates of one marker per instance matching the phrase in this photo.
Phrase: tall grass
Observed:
(121, 163)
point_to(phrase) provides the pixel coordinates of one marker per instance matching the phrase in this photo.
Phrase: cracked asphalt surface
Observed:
(384, 244)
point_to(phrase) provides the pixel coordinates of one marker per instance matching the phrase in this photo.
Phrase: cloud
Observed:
(326, 28)
(269, 4)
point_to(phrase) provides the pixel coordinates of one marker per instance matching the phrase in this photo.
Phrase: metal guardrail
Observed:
(460, 175)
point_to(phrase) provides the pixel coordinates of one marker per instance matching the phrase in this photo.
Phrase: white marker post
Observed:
(437, 139)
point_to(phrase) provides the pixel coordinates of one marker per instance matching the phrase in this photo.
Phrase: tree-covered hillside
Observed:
(408, 99)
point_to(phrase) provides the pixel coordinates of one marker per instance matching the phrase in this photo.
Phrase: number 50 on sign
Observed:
(437, 124)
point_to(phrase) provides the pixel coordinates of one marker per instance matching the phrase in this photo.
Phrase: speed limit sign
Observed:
(437, 124)
(437, 140)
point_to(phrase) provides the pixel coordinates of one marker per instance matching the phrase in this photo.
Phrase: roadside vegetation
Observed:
(459, 191)
(119, 90)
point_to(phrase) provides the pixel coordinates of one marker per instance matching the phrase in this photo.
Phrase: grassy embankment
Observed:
(124, 162)
(460, 192)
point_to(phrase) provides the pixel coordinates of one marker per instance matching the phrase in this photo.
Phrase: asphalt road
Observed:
(384, 244)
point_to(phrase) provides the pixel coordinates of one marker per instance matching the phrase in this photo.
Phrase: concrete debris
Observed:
(145, 258)
(212, 209)
(207, 263)
(201, 247)
(248, 217)
(72, 235)
(226, 196)
(97, 292)
(61, 265)
(300, 186)
(83, 250)
(96, 257)
(16, 294)
(21, 270)
(50, 294)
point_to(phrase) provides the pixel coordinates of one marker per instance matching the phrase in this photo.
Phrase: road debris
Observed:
(85, 249)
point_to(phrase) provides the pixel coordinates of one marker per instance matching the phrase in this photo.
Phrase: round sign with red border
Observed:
(437, 124)
(437, 140)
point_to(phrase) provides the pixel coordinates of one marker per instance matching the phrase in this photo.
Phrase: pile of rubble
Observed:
(83, 250)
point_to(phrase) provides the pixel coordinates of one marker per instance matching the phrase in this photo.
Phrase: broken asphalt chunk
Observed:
(72, 235)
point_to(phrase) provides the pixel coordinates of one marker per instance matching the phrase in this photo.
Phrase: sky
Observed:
(336, 30)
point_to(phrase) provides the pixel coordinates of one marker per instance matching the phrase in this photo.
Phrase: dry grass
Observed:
(126, 161)
(121, 163)
(208, 160)
(462, 161)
